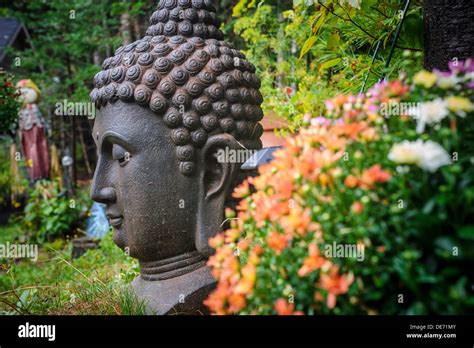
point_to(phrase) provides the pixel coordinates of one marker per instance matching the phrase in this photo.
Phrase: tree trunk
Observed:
(125, 28)
(448, 31)
(96, 58)
(137, 28)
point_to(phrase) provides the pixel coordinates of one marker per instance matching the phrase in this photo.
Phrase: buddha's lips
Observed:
(115, 221)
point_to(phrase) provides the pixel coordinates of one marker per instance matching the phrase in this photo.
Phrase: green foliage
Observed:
(310, 51)
(95, 283)
(4, 174)
(9, 104)
(66, 36)
(49, 213)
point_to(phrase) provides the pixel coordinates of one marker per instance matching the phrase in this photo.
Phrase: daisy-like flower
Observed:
(446, 80)
(459, 105)
(433, 156)
(427, 155)
(277, 242)
(425, 78)
(335, 284)
(313, 262)
(431, 112)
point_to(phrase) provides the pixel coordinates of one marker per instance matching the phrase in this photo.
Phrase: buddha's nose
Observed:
(106, 195)
(102, 190)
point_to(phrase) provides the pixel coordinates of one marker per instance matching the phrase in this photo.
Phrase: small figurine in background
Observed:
(32, 132)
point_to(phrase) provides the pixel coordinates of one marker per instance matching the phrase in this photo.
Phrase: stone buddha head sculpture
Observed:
(166, 104)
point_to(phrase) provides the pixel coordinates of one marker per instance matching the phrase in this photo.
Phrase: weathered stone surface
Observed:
(167, 103)
(448, 32)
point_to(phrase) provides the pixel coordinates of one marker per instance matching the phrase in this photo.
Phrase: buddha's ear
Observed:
(215, 179)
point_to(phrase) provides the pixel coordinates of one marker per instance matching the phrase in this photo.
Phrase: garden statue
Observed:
(166, 104)
(32, 132)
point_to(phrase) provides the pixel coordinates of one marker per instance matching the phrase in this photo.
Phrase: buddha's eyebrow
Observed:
(118, 139)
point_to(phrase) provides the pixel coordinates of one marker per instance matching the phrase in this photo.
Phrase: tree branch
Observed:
(349, 19)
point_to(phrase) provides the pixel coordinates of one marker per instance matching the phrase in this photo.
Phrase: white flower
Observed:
(427, 155)
(446, 82)
(431, 112)
(405, 152)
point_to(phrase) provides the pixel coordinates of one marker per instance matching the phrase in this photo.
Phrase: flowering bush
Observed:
(367, 210)
(9, 104)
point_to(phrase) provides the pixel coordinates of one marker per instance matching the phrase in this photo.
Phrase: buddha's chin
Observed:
(119, 237)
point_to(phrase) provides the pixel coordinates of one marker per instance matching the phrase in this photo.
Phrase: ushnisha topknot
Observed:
(183, 71)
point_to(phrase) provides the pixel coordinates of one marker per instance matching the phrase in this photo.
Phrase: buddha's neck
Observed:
(172, 267)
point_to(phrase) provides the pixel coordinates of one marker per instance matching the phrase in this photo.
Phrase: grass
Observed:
(95, 283)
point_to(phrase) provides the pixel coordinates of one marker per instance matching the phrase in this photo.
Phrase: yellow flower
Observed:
(425, 79)
(404, 152)
(446, 82)
(29, 163)
(459, 105)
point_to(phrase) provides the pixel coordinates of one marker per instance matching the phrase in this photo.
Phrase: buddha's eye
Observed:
(120, 154)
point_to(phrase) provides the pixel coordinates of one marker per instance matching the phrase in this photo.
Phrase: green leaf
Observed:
(466, 232)
(428, 208)
(367, 4)
(333, 41)
(309, 43)
(329, 64)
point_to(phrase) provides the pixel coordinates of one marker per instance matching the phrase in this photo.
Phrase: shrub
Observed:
(388, 181)
(50, 213)
(9, 104)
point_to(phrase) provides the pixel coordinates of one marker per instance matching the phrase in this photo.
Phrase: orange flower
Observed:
(243, 244)
(267, 208)
(258, 250)
(229, 213)
(245, 285)
(216, 241)
(282, 307)
(297, 221)
(313, 262)
(351, 181)
(397, 88)
(242, 191)
(318, 297)
(374, 175)
(236, 302)
(335, 284)
(216, 300)
(243, 205)
(357, 207)
(285, 187)
(277, 242)
(232, 235)
(324, 179)
(369, 134)
(352, 130)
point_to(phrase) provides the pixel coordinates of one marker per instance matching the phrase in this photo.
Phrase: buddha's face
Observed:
(150, 204)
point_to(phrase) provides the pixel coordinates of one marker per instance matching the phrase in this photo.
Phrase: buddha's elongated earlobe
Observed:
(216, 180)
